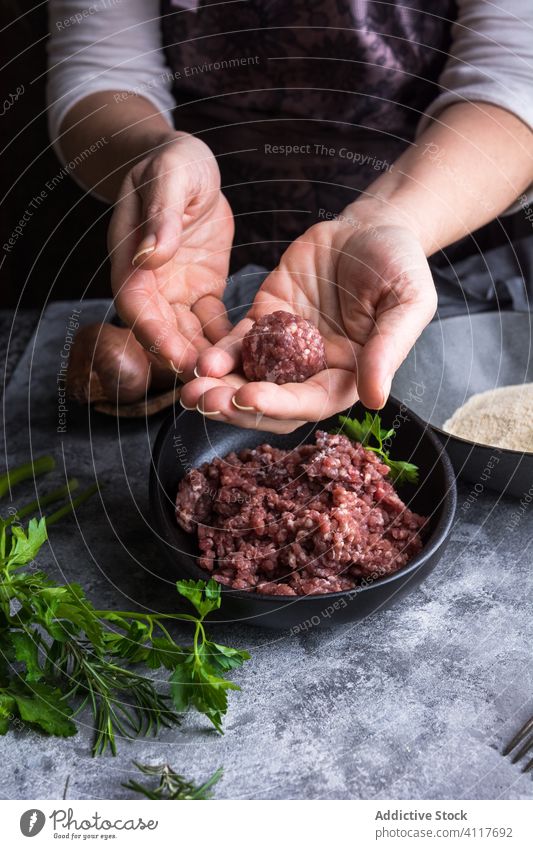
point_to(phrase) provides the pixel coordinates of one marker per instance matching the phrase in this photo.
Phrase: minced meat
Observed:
(282, 348)
(314, 519)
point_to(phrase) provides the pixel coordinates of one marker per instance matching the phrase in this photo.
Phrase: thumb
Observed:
(394, 334)
(161, 214)
(146, 226)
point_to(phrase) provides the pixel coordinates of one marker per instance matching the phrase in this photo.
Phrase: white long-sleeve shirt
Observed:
(116, 45)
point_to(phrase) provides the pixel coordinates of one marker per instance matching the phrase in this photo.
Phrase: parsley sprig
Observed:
(60, 655)
(197, 678)
(371, 435)
(171, 785)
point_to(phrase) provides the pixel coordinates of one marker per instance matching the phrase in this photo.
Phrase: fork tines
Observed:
(524, 736)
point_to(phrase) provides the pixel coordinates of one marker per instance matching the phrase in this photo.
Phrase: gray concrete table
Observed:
(413, 703)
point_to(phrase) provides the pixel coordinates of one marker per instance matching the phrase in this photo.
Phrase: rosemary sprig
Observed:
(171, 785)
(70, 656)
(121, 700)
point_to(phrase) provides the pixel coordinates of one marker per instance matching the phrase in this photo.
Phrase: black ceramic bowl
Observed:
(454, 359)
(187, 439)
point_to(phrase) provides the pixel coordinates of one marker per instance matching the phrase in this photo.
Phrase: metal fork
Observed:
(525, 736)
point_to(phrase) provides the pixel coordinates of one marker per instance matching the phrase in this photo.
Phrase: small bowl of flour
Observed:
(500, 418)
(470, 377)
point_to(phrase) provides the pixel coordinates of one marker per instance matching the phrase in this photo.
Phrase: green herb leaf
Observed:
(197, 679)
(353, 429)
(75, 656)
(166, 653)
(372, 436)
(8, 708)
(196, 684)
(43, 705)
(26, 649)
(204, 597)
(223, 658)
(25, 545)
(402, 472)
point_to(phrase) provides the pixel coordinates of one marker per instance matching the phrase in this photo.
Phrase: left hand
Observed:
(367, 288)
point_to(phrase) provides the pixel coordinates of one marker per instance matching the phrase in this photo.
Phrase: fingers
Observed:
(242, 403)
(136, 297)
(213, 398)
(154, 324)
(395, 332)
(328, 392)
(171, 333)
(213, 317)
(224, 357)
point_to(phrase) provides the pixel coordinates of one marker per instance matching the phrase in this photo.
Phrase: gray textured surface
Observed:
(414, 702)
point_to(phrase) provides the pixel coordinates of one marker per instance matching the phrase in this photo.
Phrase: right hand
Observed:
(365, 283)
(169, 241)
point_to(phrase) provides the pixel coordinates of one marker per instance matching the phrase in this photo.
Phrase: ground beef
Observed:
(282, 348)
(316, 519)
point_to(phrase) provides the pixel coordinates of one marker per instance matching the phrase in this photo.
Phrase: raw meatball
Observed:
(282, 348)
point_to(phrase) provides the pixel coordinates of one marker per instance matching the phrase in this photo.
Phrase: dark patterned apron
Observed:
(304, 102)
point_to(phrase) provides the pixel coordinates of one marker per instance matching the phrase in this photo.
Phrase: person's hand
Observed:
(169, 241)
(367, 286)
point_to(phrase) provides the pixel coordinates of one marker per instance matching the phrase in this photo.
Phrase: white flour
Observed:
(500, 417)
